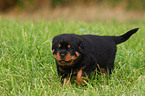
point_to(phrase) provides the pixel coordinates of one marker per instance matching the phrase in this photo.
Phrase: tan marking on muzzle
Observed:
(68, 57)
(57, 56)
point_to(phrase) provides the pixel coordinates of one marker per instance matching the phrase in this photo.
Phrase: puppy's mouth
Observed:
(64, 62)
(68, 59)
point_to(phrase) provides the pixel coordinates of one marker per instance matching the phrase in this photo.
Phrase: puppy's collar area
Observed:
(72, 71)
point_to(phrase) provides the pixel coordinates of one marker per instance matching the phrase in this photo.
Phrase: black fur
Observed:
(95, 52)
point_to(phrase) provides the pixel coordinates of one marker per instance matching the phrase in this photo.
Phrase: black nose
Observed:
(63, 54)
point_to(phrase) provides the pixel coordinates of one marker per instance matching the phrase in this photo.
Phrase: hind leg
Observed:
(110, 65)
(110, 61)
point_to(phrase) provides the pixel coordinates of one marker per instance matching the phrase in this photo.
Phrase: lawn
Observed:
(27, 66)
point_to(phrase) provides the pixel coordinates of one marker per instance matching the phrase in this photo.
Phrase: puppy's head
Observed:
(66, 49)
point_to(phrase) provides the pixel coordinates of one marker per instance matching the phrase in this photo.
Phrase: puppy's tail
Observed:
(124, 37)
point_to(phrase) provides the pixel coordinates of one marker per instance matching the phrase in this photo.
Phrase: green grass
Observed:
(28, 68)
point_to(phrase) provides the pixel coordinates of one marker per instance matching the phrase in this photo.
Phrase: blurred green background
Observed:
(85, 10)
(34, 4)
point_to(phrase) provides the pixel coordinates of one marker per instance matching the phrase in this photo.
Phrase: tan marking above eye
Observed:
(59, 45)
(69, 46)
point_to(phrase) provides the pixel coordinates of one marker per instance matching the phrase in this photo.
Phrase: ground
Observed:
(27, 66)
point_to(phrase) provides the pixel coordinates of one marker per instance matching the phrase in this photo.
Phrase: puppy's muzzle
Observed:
(62, 54)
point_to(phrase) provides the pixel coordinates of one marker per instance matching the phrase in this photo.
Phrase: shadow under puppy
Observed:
(79, 55)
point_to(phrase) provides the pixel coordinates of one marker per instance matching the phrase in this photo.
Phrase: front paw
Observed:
(81, 80)
(66, 81)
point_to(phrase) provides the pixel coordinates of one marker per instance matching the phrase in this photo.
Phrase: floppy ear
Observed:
(54, 42)
(52, 45)
(81, 46)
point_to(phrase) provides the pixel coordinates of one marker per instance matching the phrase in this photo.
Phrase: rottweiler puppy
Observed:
(79, 55)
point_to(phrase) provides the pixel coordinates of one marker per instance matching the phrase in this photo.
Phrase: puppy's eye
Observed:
(59, 45)
(69, 46)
